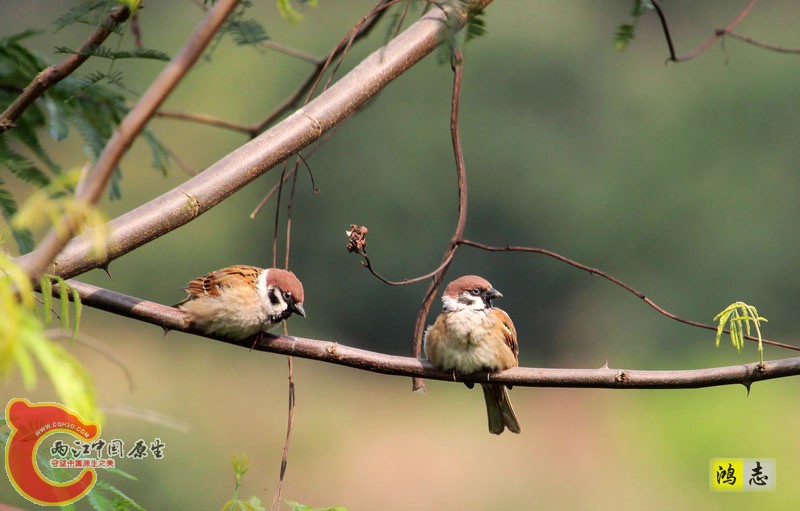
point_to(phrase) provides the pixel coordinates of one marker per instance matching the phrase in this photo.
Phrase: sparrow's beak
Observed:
(493, 293)
(298, 308)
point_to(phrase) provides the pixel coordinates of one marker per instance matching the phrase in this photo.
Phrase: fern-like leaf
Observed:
(8, 208)
(623, 36)
(476, 26)
(105, 496)
(247, 32)
(90, 12)
(106, 53)
(160, 156)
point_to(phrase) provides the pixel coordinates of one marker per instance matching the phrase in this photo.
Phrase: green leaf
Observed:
(121, 473)
(296, 506)
(57, 122)
(476, 26)
(288, 12)
(23, 64)
(160, 157)
(63, 298)
(91, 12)
(738, 316)
(119, 499)
(21, 166)
(78, 309)
(46, 286)
(246, 32)
(8, 208)
(106, 53)
(623, 36)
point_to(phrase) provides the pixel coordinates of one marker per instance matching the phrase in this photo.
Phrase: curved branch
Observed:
(199, 194)
(708, 42)
(332, 352)
(457, 61)
(618, 282)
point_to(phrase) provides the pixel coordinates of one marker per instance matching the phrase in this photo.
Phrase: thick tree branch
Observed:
(332, 352)
(199, 194)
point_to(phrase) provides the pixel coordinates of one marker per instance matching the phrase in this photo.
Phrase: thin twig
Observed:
(367, 263)
(754, 42)
(457, 63)
(711, 40)
(92, 344)
(292, 52)
(618, 282)
(207, 120)
(276, 500)
(57, 72)
(285, 177)
(665, 27)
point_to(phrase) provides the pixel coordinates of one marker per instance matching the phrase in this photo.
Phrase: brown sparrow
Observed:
(239, 301)
(471, 336)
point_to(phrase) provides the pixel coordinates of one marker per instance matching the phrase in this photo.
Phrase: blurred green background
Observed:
(680, 179)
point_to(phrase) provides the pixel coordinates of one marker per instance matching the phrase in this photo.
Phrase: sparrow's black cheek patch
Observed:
(273, 297)
(466, 300)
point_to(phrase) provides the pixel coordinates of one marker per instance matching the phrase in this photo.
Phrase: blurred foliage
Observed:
(83, 102)
(289, 13)
(625, 31)
(240, 468)
(296, 506)
(23, 335)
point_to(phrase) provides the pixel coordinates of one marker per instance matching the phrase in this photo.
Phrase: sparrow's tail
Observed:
(499, 409)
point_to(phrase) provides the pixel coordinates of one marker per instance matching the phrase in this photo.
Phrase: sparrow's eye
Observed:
(287, 295)
(475, 291)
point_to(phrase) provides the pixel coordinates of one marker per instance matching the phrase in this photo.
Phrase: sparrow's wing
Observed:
(211, 283)
(507, 327)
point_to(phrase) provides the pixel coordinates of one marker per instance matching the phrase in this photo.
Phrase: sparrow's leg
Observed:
(256, 338)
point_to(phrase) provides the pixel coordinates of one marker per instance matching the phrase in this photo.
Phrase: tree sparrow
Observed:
(470, 336)
(239, 301)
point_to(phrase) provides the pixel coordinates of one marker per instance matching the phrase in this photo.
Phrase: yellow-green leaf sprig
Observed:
(739, 316)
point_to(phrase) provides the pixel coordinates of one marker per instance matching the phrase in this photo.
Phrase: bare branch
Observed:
(199, 194)
(708, 42)
(754, 42)
(618, 282)
(207, 120)
(57, 72)
(333, 352)
(457, 61)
